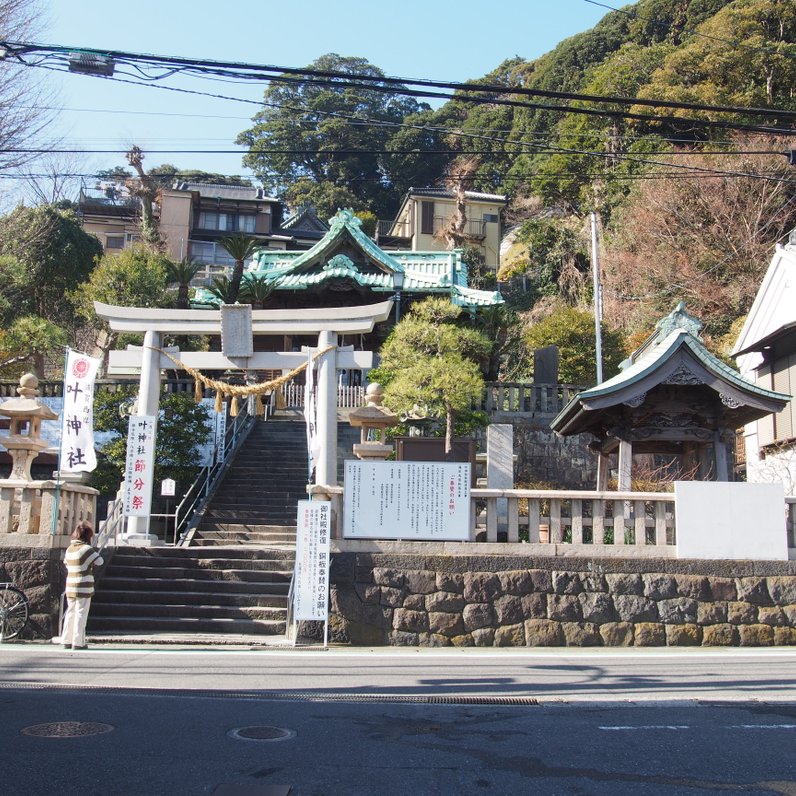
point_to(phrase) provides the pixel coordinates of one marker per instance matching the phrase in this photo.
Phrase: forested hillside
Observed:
(671, 119)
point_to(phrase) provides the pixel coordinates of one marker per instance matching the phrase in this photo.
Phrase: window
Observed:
(490, 218)
(427, 218)
(226, 222)
(114, 241)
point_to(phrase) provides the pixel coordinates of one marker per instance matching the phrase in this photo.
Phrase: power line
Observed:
(398, 86)
(268, 72)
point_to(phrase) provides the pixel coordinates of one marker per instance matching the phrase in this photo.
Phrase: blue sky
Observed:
(414, 38)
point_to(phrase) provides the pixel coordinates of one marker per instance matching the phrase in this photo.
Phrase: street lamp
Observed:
(397, 283)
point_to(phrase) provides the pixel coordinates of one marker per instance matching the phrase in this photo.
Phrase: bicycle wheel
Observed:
(13, 611)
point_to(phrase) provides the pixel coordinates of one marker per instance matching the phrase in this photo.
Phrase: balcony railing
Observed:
(394, 229)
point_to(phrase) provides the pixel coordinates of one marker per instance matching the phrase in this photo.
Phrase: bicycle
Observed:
(14, 611)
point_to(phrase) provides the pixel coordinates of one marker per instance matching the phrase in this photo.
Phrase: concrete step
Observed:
(269, 538)
(126, 624)
(187, 553)
(194, 573)
(133, 598)
(184, 611)
(109, 584)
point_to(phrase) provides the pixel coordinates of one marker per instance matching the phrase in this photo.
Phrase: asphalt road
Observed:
(384, 722)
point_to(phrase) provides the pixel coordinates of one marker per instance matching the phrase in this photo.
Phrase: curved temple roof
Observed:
(673, 354)
(379, 270)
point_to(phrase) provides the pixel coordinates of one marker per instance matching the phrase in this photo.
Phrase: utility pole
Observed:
(598, 304)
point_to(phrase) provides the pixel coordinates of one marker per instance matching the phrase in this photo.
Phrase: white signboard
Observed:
(167, 487)
(311, 583)
(407, 500)
(731, 520)
(140, 470)
(221, 433)
(77, 421)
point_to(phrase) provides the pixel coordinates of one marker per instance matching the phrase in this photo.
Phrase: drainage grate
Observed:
(261, 734)
(290, 696)
(66, 729)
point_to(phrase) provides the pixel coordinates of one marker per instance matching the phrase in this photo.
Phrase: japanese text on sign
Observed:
(140, 469)
(311, 582)
(406, 500)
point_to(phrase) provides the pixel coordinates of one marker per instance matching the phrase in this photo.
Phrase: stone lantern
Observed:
(25, 415)
(373, 419)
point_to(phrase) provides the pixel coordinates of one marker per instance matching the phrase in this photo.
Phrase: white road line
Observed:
(634, 727)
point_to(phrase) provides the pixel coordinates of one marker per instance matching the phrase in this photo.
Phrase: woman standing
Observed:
(80, 560)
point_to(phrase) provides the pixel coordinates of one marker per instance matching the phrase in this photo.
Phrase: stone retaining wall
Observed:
(545, 458)
(508, 601)
(39, 572)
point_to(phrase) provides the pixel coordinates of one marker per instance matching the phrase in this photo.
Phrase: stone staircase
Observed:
(234, 577)
(256, 500)
(192, 591)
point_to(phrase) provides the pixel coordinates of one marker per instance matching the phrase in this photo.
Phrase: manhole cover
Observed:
(66, 729)
(262, 734)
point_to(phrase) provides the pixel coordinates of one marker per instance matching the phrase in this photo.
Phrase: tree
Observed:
(703, 239)
(133, 277)
(430, 360)
(572, 330)
(52, 256)
(182, 427)
(181, 274)
(329, 131)
(27, 342)
(145, 189)
(256, 290)
(24, 100)
(240, 248)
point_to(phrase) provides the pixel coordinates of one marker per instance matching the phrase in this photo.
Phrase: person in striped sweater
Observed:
(80, 560)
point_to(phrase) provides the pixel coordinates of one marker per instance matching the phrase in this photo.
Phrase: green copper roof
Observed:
(649, 365)
(441, 272)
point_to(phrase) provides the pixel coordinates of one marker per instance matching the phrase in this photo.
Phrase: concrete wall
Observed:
(515, 601)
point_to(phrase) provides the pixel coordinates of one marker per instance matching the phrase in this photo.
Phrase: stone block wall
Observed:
(545, 458)
(40, 574)
(508, 601)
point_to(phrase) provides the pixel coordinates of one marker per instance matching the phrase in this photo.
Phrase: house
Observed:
(192, 217)
(766, 353)
(425, 212)
(110, 213)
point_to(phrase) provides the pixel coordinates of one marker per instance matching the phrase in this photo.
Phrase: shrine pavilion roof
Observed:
(673, 354)
(346, 252)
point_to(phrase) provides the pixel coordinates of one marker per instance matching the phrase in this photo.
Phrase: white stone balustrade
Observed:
(28, 509)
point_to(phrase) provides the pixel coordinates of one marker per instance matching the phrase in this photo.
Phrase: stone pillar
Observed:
(326, 469)
(625, 466)
(148, 404)
(500, 465)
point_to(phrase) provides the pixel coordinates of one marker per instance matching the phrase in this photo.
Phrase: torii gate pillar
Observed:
(326, 467)
(148, 404)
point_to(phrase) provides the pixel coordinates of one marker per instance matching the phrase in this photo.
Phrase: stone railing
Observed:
(578, 518)
(43, 513)
(292, 396)
(570, 523)
(521, 398)
(561, 523)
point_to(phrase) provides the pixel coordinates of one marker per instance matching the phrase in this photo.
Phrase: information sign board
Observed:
(140, 469)
(311, 582)
(407, 500)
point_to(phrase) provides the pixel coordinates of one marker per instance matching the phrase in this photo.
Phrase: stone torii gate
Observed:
(237, 325)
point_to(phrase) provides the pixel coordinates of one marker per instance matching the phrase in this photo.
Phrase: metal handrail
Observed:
(199, 493)
(113, 525)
